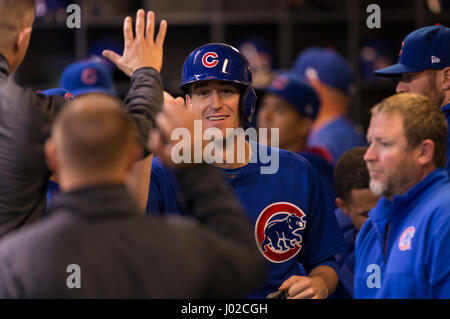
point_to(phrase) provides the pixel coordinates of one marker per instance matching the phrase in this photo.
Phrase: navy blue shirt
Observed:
(295, 227)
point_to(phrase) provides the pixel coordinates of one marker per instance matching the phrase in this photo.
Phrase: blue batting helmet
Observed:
(219, 61)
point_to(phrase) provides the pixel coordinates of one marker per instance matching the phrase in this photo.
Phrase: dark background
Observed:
(286, 26)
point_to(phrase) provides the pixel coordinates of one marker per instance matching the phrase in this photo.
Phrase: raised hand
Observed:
(141, 50)
(174, 115)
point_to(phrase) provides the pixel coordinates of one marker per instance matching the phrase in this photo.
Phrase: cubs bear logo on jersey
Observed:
(209, 59)
(277, 231)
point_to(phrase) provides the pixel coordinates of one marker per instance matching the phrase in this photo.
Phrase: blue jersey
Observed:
(324, 170)
(295, 227)
(446, 110)
(416, 260)
(338, 136)
(346, 258)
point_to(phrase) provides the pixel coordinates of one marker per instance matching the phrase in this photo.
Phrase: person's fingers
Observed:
(180, 101)
(161, 34)
(140, 21)
(304, 294)
(128, 32)
(289, 282)
(150, 28)
(111, 55)
(155, 141)
(164, 125)
(300, 287)
(167, 97)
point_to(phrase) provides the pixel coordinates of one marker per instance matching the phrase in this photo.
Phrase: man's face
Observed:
(216, 103)
(361, 202)
(276, 112)
(392, 166)
(425, 83)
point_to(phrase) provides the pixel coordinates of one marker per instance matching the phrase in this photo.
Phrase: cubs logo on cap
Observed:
(278, 231)
(404, 242)
(89, 76)
(210, 60)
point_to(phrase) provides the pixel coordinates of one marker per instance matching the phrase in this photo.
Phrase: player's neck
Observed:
(296, 146)
(233, 157)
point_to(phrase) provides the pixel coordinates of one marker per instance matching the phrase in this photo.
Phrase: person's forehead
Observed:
(417, 75)
(362, 198)
(213, 84)
(386, 124)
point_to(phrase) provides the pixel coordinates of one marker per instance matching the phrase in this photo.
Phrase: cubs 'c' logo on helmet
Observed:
(277, 231)
(209, 59)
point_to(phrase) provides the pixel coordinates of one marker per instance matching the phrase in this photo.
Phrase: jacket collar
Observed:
(4, 66)
(104, 201)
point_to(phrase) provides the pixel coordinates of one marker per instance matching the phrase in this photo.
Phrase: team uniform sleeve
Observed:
(323, 236)
(437, 261)
(155, 196)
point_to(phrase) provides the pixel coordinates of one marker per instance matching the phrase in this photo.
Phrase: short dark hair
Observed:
(94, 138)
(351, 173)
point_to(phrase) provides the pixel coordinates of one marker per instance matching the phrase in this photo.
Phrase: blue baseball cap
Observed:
(326, 65)
(57, 91)
(87, 77)
(425, 48)
(294, 89)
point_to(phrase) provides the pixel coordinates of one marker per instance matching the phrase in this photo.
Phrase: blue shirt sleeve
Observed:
(437, 261)
(155, 200)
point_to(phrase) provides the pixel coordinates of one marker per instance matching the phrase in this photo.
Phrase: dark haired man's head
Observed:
(93, 141)
(352, 184)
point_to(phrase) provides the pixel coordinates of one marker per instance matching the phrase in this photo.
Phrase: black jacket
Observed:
(122, 254)
(25, 123)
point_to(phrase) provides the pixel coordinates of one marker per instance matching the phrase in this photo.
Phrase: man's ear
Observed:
(426, 152)
(341, 204)
(188, 100)
(51, 155)
(305, 126)
(23, 39)
(446, 78)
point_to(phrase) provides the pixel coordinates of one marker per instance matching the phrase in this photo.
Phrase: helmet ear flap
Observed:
(249, 103)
